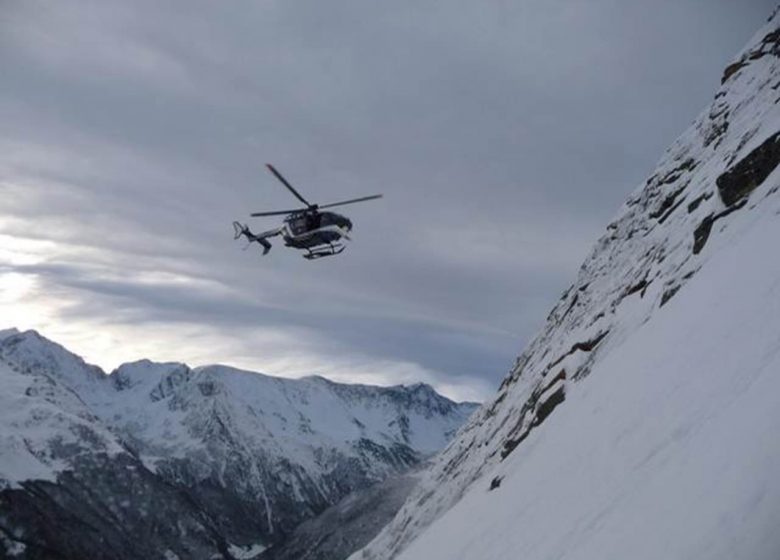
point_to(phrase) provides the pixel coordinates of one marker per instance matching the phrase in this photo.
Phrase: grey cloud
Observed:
(503, 134)
(385, 338)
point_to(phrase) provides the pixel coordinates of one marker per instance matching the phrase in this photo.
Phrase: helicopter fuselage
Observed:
(308, 230)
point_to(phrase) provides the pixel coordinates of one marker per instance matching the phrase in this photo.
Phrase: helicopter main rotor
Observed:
(279, 176)
(309, 206)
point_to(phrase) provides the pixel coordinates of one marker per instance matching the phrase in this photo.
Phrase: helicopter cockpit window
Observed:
(298, 225)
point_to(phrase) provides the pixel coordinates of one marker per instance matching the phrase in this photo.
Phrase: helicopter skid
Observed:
(324, 252)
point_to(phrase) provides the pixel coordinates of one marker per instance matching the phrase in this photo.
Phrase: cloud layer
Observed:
(503, 135)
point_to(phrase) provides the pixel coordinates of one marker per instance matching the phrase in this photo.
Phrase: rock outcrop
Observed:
(716, 185)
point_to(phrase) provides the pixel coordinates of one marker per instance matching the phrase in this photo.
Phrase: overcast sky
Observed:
(503, 134)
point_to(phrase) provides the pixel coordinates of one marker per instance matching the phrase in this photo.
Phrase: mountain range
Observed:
(96, 465)
(641, 422)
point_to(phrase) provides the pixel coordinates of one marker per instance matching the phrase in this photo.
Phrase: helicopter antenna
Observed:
(278, 175)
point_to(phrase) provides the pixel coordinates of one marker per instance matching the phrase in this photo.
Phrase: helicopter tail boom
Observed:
(243, 230)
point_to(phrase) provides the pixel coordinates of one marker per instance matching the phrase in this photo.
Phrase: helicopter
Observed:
(320, 234)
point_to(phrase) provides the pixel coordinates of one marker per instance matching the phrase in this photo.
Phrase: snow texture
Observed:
(45, 426)
(662, 441)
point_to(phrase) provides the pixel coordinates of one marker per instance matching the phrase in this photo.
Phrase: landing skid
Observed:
(328, 251)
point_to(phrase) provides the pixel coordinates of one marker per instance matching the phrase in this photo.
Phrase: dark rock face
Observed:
(258, 497)
(732, 69)
(696, 202)
(106, 507)
(769, 45)
(590, 345)
(347, 526)
(702, 232)
(236, 513)
(495, 483)
(549, 404)
(545, 398)
(668, 295)
(750, 172)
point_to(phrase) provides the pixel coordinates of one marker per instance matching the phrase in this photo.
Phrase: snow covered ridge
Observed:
(257, 454)
(603, 439)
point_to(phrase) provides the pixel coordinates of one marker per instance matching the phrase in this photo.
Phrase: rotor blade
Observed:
(352, 201)
(278, 175)
(277, 212)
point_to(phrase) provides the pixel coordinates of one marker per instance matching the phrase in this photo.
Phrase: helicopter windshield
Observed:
(300, 224)
(297, 225)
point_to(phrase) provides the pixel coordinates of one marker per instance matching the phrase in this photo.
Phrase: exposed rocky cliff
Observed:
(693, 249)
(347, 526)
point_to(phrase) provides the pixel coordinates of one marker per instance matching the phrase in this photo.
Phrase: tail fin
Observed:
(241, 229)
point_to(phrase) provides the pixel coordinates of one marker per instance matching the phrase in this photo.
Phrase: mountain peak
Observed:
(31, 351)
(262, 452)
(4, 333)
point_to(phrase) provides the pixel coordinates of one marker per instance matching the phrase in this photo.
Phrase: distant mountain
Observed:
(642, 422)
(92, 464)
(69, 486)
(349, 525)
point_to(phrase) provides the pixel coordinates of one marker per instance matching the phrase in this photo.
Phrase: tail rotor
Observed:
(240, 229)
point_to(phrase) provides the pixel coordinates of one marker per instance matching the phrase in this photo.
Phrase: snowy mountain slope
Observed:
(251, 454)
(46, 427)
(34, 353)
(639, 423)
(69, 488)
(671, 450)
(293, 446)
